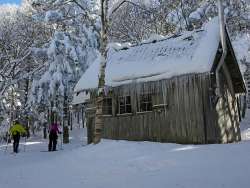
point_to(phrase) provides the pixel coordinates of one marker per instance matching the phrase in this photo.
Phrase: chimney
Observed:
(224, 47)
(222, 25)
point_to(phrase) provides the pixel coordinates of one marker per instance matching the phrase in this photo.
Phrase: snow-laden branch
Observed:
(119, 3)
(28, 52)
(13, 64)
(11, 82)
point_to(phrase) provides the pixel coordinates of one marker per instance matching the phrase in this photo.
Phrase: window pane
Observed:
(121, 101)
(141, 99)
(122, 109)
(128, 109)
(143, 107)
(104, 110)
(145, 103)
(110, 110)
(149, 107)
(125, 105)
(107, 105)
(109, 102)
(128, 100)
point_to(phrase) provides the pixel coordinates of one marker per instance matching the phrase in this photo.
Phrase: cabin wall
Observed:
(185, 110)
(221, 114)
(177, 115)
(178, 120)
(227, 112)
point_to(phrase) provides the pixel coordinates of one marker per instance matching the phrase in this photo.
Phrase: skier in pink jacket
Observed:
(53, 131)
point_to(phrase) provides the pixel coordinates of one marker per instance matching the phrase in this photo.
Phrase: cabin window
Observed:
(125, 105)
(145, 103)
(107, 106)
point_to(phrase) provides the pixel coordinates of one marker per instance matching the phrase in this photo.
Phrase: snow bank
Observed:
(245, 127)
(126, 164)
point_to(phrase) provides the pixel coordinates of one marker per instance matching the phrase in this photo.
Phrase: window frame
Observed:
(107, 108)
(126, 105)
(148, 103)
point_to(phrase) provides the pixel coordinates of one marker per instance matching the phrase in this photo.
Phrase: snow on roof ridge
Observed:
(154, 38)
(157, 38)
(210, 43)
(119, 46)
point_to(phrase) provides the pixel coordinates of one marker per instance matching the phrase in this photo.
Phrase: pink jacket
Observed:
(54, 128)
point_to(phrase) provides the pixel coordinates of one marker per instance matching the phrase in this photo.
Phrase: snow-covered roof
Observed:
(191, 52)
(80, 98)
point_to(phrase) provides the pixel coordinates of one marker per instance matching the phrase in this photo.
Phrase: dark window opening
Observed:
(107, 106)
(125, 105)
(145, 103)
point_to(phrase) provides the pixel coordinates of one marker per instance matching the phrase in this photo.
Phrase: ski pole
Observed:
(25, 139)
(61, 136)
(24, 148)
(7, 142)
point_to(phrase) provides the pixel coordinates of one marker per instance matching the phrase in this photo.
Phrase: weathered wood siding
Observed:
(190, 113)
(227, 115)
(179, 120)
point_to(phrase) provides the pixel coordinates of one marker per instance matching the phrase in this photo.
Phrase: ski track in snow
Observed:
(126, 164)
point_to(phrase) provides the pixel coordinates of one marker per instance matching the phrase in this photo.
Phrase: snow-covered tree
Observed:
(45, 47)
(72, 47)
(134, 22)
(17, 32)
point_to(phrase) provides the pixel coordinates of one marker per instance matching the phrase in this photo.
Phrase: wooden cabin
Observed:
(165, 90)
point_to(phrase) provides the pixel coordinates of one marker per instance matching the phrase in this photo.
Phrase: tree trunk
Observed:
(65, 119)
(65, 134)
(99, 124)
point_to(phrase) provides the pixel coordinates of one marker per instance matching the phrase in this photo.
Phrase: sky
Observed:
(10, 2)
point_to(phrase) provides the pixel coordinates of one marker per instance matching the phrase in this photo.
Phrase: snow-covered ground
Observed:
(245, 127)
(123, 164)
